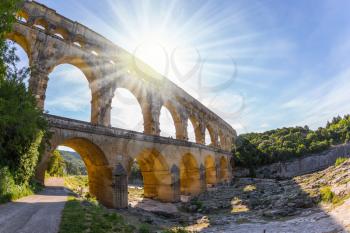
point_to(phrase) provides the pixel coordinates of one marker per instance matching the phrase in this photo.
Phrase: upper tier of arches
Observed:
(51, 40)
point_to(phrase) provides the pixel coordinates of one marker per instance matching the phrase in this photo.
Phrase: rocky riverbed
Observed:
(318, 202)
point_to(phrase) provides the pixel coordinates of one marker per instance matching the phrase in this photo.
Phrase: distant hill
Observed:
(74, 163)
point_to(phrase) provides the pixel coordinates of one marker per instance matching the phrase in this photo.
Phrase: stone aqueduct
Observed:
(170, 167)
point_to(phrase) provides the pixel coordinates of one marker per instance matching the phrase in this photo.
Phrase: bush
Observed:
(144, 228)
(340, 160)
(9, 190)
(326, 194)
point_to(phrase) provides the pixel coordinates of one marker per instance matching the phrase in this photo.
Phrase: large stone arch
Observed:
(199, 131)
(190, 182)
(81, 63)
(99, 172)
(156, 174)
(138, 91)
(224, 175)
(210, 170)
(22, 41)
(212, 135)
(179, 124)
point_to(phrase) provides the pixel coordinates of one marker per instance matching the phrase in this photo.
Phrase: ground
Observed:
(39, 213)
(255, 205)
(314, 203)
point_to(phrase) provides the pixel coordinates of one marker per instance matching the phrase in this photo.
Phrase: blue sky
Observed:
(263, 64)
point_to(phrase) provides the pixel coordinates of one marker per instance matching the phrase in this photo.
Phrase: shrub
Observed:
(144, 228)
(326, 194)
(340, 160)
(9, 190)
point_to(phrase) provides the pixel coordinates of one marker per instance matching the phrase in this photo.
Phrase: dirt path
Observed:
(39, 213)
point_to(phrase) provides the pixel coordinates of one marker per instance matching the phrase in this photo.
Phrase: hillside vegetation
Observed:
(255, 149)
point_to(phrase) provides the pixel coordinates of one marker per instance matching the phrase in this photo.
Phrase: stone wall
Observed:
(299, 166)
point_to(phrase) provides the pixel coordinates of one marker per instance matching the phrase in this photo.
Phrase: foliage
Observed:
(74, 165)
(56, 165)
(86, 216)
(7, 13)
(326, 194)
(255, 149)
(9, 190)
(176, 230)
(340, 160)
(77, 184)
(144, 228)
(135, 176)
(22, 125)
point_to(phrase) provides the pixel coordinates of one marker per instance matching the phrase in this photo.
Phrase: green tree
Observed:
(57, 165)
(23, 128)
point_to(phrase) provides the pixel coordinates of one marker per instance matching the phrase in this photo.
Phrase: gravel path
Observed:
(39, 213)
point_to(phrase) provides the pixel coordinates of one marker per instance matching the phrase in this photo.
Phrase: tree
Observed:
(57, 165)
(23, 128)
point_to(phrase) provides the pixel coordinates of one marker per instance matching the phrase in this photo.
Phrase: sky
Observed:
(259, 65)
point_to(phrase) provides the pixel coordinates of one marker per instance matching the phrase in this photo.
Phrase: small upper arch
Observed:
(21, 40)
(61, 33)
(22, 16)
(41, 23)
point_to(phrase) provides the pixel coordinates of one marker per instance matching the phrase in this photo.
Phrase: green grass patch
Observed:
(77, 183)
(176, 230)
(340, 160)
(326, 194)
(88, 216)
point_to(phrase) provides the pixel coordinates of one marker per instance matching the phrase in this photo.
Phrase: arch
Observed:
(79, 41)
(82, 64)
(222, 140)
(180, 130)
(210, 135)
(137, 89)
(99, 173)
(197, 130)
(41, 23)
(190, 131)
(23, 62)
(210, 170)
(68, 93)
(62, 33)
(155, 173)
(126, 111)
(20, 40)
(189, 175)
(167, 123)
(22, 16)
(224, 172)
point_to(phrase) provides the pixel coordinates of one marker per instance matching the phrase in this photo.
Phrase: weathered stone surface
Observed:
(50, 39)
(170, 167)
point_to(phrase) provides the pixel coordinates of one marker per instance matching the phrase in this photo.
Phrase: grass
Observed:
(88, 216)
(176, 230)
(340, 160)
(78, 184)
(326, 194)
